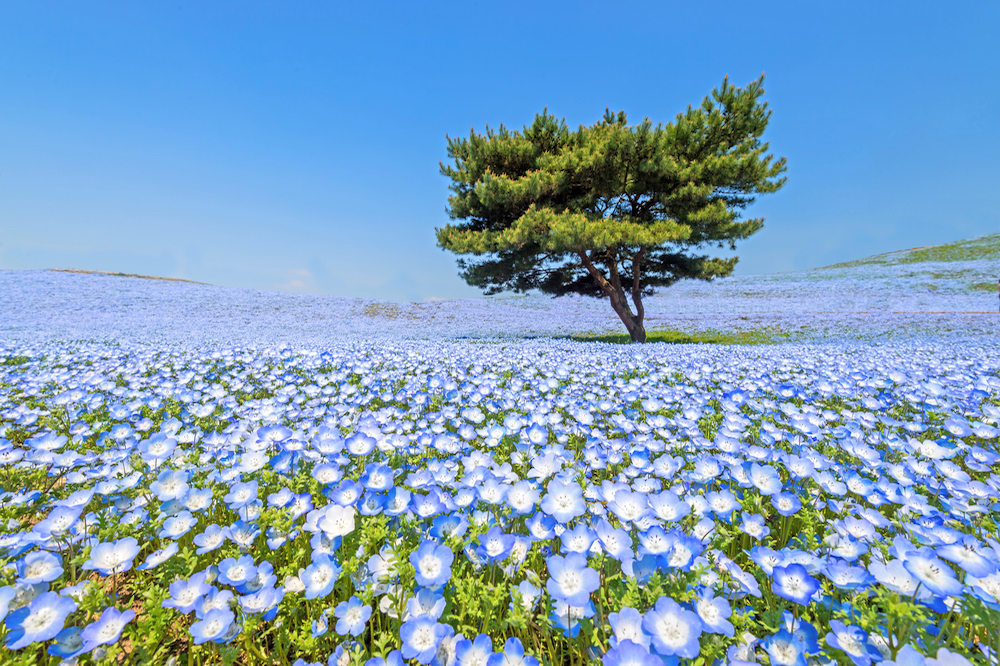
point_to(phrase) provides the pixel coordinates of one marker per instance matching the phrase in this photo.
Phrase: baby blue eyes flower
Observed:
(360, 444)
(627, 625)
(432, 564)
(571, 580)
(765, 478)
(158, 557)
(673, 630)
(170, 485)
(627, 653)
(473, 652)
(213, 537)
(352, 616)
(184, 594)
(784, 649)
(236, 572)
(449, 525)
(112, 557)
(241, 494)
(933, 573)
(794, 583)
(320, 577)
(177, 525)
(753, 525)
(39, 567)
(107, 629)
(59, 520)
(564, 501)
(512, 655)
(786, 504)
(714, 613)
(377, 477)
(853, 642)
(39, 621)
(421, 637)
(213, 627)
(495, 545)
(425, 602)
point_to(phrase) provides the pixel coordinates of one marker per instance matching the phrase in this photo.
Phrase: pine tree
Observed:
(611, 210)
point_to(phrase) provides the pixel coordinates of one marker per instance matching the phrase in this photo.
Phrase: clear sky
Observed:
(295, 145)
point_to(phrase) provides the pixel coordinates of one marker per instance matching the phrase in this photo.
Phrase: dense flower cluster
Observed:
(821, 305)
(502, 503)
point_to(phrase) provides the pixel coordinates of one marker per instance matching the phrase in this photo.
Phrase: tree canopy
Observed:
(610, 210)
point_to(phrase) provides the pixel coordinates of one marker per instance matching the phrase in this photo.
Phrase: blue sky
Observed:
(295, 146)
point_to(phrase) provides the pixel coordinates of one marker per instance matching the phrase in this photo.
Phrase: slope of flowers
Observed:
(60, 306)
(500, 503)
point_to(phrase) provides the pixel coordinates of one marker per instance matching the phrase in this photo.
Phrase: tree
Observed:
(611, 210)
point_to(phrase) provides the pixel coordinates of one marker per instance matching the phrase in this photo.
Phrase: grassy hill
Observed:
(978, 248)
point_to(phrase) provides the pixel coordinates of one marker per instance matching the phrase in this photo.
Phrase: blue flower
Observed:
(571, 580)
(177, 525)
(319, 626)
(794, 583)
(158, 557)
(39, 621)
(352, 616)
(320, 577)
(495, 546)
(214, 626)
(106, 629)
(714, 613)
(786, 504)
(673, 630)
(522, 497)
(59, 520)
(236, 572)
(394, 658)
(378, 477)
(629, 506)
(512, 655)
(784, 649)
(627, 625)
(567, 617)
(852, 641)
(425, 602)
(578, 539)
(421, 637)
(540, 526)
(241, 494)
(39, 567)
(564, 501)
(360, 444)
(753, 525)
(170, 485)
(473, 652)
(213, 537)
(933, 573)
(243, 534)
(627, 653)
(184, 594)
(452, 524)
(112, 557)
(615, 541)
(67, 644)
(432, 563)
(766, 478)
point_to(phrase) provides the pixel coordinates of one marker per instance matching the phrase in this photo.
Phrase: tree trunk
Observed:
(619, 302)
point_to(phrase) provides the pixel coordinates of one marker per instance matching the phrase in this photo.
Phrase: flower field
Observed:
(459, 502)
(198, 475)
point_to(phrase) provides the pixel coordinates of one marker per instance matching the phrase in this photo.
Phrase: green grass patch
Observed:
(759, 336)
(969, 249)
